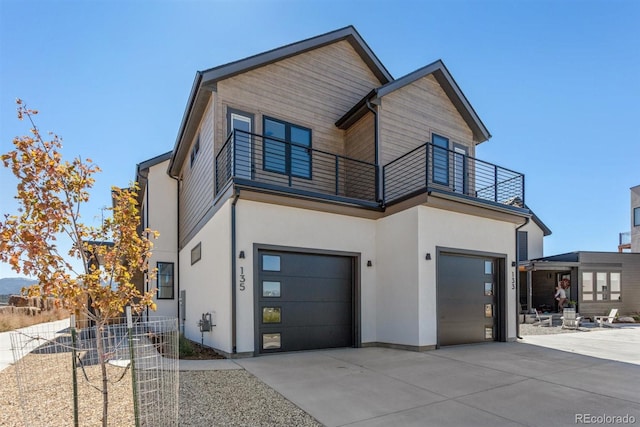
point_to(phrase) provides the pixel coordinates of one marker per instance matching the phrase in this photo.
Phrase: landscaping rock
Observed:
(626, 319)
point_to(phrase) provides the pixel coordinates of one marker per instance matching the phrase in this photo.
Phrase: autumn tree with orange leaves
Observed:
(50, 194)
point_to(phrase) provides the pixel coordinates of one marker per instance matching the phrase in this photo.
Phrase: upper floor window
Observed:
(601, 286)
(280, 157)
(440, 159)
(636, 217)
(194, 150)
(165, 280)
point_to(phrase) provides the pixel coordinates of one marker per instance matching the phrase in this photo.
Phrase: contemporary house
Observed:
(159, 212)
(599, 281)
(315, 201)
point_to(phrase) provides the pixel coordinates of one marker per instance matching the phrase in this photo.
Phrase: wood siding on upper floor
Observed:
(313, 89)
(360, 139)
(409, 115)
(197, 180)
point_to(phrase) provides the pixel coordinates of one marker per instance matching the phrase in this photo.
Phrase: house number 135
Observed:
(242, 279)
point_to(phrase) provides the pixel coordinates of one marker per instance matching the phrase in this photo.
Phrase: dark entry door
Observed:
(467, 299)
(304, 301)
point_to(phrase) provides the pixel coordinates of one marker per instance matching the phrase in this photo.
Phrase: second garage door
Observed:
(469, 292)
(303, 301)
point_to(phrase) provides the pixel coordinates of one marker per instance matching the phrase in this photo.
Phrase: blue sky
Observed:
(556, 83)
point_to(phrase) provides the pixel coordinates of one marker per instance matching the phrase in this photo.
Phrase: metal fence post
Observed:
(134, 385)
(72, 328)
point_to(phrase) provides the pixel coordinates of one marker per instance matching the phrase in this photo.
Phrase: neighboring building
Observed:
(599, 281)
(635, 219)
(530, 246)
(158, 212)
(323, 203)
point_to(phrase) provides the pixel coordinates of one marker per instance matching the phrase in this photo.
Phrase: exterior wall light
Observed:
(241, 256)
(369, 263)
(428, 257)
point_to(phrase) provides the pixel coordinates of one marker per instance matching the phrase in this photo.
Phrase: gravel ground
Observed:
(207, 398)
(528, 329)
(235, 398)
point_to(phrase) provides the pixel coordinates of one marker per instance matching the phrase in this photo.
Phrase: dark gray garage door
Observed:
(303, 301)
(467, 299)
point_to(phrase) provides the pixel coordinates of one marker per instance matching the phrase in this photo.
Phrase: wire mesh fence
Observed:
(61, 379)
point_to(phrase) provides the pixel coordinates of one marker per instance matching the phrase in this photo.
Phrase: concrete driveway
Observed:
(494, 384)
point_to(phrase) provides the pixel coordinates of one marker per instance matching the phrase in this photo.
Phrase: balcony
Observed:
(624, 241)
(437, 169)
(272, 164)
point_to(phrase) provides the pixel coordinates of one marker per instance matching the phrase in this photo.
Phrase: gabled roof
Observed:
(448, 84)
(206, 80)
(546, 231)
(142, 170)
(349, 33)
(153, 161)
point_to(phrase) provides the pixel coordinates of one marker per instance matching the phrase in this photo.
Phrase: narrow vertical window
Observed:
(196, 253)
(194, 151)
(587, 286)
(165, 280)
(440, 160)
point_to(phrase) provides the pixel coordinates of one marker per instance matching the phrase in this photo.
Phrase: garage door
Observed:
(304, 301)
(467, 299)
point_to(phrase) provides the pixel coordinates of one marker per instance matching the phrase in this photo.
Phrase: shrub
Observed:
(185, 347)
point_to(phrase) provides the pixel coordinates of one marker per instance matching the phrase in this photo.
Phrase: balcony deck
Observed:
(272, 164)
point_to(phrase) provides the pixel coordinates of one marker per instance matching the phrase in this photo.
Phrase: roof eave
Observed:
(195, 89)
(349, 33)
(453, 91)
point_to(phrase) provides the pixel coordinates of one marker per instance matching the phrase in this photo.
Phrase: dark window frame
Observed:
(194, 151)
(636, 217)
(440, 150)
(523, 246)
(159, 275)
(289, 146)
(196, 253)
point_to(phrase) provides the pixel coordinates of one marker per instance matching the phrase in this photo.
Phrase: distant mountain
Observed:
(13, 285)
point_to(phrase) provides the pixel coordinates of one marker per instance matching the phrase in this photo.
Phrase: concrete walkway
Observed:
(494, 384)
(46, 330)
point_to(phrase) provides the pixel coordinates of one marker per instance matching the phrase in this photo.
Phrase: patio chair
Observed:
(570, 319)
(544, 320)
(607, 320)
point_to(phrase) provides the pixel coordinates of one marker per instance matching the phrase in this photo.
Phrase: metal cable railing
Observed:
(437, 168)
(275, 163)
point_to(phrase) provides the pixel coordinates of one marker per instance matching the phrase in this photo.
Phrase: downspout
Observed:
(139, 177)
(379, 197)
(518, 279)
(177, 272)
(146, 214)
(236, 195)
